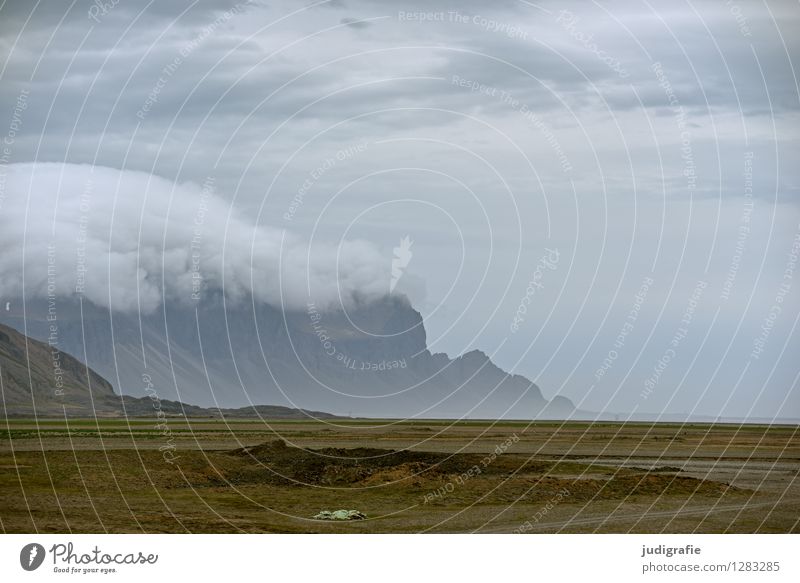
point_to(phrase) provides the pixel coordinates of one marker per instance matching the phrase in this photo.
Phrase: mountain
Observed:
(36, 376)
(371, 361)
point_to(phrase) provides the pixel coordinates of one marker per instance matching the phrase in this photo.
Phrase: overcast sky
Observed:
(636, 161)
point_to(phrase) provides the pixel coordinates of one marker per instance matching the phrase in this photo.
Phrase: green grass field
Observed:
(207, 475)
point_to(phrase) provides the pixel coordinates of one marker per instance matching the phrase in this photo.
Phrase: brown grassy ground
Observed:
(248, 476)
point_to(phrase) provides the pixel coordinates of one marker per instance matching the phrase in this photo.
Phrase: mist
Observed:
(129, 240)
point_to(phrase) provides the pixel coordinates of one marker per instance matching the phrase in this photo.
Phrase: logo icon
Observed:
(31, 556)
(402, 257)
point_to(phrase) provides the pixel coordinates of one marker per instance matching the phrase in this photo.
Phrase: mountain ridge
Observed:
(369, 361)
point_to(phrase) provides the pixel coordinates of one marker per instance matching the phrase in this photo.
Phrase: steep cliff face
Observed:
(370, 361)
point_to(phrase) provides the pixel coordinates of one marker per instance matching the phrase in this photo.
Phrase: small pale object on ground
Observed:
(340, 515)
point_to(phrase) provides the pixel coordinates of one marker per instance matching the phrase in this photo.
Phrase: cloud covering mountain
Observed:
(129, 240)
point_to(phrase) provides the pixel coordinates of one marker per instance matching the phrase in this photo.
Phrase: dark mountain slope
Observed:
(372, 361)
(35, 374)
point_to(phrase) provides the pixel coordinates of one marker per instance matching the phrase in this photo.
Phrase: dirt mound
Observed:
(657, 484)
(507, 476)
(279, 462)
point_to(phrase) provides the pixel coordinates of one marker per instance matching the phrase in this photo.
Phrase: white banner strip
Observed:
(355, 558)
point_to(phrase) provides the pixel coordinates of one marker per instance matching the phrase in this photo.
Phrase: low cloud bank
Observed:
(130, 240)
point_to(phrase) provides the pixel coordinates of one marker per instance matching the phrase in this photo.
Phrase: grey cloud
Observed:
(355, 23)
(130, 240)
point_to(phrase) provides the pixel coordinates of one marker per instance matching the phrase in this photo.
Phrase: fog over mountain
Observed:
(216, 311)
(130, 240)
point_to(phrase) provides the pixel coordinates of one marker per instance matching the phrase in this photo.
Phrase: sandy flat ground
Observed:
(113, 475)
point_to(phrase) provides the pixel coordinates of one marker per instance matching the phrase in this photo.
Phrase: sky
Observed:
(603, 196)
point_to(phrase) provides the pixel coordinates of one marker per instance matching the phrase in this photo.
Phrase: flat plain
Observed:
(236, 475)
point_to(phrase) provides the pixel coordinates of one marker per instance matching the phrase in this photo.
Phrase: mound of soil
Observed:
(508, 476)
(657, 484)
(280, 463)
